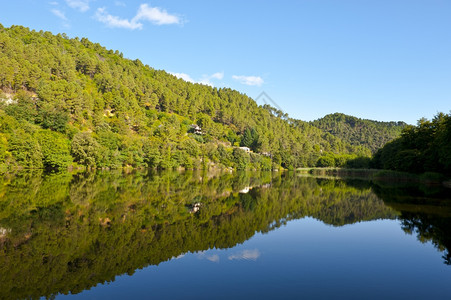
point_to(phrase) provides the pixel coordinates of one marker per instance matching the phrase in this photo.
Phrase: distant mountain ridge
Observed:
(355, 131)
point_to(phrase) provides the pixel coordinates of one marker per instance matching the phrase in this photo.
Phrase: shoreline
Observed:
(381, 176)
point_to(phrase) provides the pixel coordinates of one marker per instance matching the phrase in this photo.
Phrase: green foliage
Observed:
(3, 148)
(53, 118)
(191, 147)
(85, 149)
(241, 159)
(266, 164)
(23, 109)
(360, 162)
(251, 140)
(326, 161)
(55, 149)
(352, 161)
(138, 116)
(152, 156)
(25, 149)
(360, 132)
(422, 148)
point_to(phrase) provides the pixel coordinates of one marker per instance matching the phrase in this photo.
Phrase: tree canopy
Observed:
(115, 112)
(356, 131)
(422, 148)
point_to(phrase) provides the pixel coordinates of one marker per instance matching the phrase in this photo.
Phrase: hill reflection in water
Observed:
(64, 233)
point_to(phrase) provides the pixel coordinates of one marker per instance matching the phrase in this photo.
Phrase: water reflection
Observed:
(245, 254)
(66, 232)
(425, 211)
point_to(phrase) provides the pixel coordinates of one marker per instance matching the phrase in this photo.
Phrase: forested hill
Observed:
(422, 148)
(355, 131)
(66, 101)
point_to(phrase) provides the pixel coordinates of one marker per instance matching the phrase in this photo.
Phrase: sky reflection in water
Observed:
(304, 259)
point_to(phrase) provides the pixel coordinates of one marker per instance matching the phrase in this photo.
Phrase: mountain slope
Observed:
(76, 102)
(355, 131)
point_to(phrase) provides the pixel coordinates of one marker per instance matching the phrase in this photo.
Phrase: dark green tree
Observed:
(85, 149)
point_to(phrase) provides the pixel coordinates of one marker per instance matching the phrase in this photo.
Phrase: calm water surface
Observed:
(112, 235)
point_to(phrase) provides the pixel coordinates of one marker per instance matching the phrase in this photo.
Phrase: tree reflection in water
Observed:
(64, 233)
(424, 211)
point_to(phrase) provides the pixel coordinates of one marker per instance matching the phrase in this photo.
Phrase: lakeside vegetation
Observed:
(422, 148)
(422, 153)
(70, 103)
(100, 110)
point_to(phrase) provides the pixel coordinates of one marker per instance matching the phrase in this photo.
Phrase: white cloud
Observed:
(206, 79)
(145, 12)
(59, 14)
(53, 3)
(218, 75)
(249, 80)
(155, 15)
(183, 76)
(212, 258)
(115, 22)
(120, 3)
(246, 255)
(81, 5)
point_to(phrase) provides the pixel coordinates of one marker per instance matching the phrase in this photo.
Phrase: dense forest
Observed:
(355, 131)
(70, 102)
(422, 148)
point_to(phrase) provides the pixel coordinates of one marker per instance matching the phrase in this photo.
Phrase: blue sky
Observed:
(381, 60)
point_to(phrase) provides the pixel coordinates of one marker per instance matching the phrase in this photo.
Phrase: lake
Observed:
(220, 235)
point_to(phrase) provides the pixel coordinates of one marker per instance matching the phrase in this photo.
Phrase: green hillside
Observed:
(68, 101)
(355, 131)
(422, 148)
